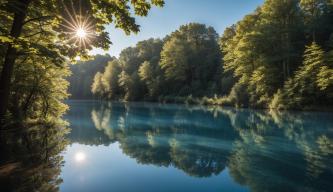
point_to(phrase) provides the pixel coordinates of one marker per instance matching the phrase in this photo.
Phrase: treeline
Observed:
(82, 76)
(280, 56)
(187, 62)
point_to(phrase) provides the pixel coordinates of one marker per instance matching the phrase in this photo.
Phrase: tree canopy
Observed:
(45, 33)
(265, 57)
(187, 62)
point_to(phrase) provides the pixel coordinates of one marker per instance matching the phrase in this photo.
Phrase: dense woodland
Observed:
(38, 40)
(280, 56)
(82, 76)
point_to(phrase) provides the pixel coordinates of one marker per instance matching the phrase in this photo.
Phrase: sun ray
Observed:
(80, 27)
(72, 22)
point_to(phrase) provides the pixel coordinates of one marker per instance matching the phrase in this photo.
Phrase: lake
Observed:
(147, 147)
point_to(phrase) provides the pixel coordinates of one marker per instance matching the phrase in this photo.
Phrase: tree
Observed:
(47, 19)
(238, 56)
(190, 59)
(265, 49)
(262, 55)
(99, 86)
(38, 89)
(111, 76)
(317, 14)
(152, 76)
(136, 74)
(325, 75)
(82, 76)
(303, 90)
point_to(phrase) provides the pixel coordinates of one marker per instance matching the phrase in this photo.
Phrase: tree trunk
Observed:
(11, 55)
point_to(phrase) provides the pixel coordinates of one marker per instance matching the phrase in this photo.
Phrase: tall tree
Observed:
(99, 86)
(317, 15)
(325, 75)
(191, 59)
(82, 76)
(302, 90)
(58, 20)
(111, 77)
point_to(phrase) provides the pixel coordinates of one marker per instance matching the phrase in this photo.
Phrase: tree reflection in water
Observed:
(31, 159)
(266, 151)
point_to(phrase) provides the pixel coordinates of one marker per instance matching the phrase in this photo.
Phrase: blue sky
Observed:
(162, 21)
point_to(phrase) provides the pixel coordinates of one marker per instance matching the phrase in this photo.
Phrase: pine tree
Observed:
(325, 75)
(302, 90)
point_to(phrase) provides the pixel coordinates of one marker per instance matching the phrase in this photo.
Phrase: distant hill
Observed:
(83, 74)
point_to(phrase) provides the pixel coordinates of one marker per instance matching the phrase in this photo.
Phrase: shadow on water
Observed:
(262, 150)
(31, 157)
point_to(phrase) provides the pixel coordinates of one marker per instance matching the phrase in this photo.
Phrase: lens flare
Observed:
(81, 33)
(79, 27)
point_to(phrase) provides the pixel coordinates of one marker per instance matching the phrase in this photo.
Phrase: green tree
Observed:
(303, 90)
(190, 59)
(152, 77)
(136, 75)
(325, 75)
(38, 89)
(226, 40)
(265, 50)
(82, 76)
(52, 22)
(99, 86)
(317, 18)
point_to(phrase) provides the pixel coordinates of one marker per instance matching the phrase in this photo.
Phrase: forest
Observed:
(39, 40)
(74, 120)
(280, 56)
(82, 76)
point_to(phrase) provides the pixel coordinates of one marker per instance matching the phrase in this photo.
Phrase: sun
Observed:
(79, 28)
(81, 33)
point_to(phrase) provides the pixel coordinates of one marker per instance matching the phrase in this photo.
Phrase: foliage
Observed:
(308, 86)
(264, 51)
(37, 40)
(190, 60)
(82, 76)
(257, 62)
(187, 62)
(135, 75)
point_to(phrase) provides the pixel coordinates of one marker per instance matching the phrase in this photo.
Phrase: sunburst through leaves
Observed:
(80, 27)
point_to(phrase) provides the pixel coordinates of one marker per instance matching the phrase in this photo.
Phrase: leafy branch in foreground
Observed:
(43, 32)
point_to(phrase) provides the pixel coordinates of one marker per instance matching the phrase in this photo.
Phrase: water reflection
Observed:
(31, 157)
(214, 148)
(265, 151)
(80, 157)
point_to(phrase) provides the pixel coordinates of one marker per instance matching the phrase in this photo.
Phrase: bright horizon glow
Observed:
(80, 157)
(81, 33)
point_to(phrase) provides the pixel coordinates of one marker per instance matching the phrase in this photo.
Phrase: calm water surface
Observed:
(144, 147)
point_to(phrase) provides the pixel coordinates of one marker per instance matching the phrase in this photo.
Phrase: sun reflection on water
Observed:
(80, 157)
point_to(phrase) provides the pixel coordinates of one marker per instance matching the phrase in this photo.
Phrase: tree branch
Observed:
(37, 19)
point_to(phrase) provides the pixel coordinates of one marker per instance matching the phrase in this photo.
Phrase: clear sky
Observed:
(162, 21)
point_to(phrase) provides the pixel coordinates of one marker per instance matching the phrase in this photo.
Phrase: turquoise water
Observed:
(144, 147)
